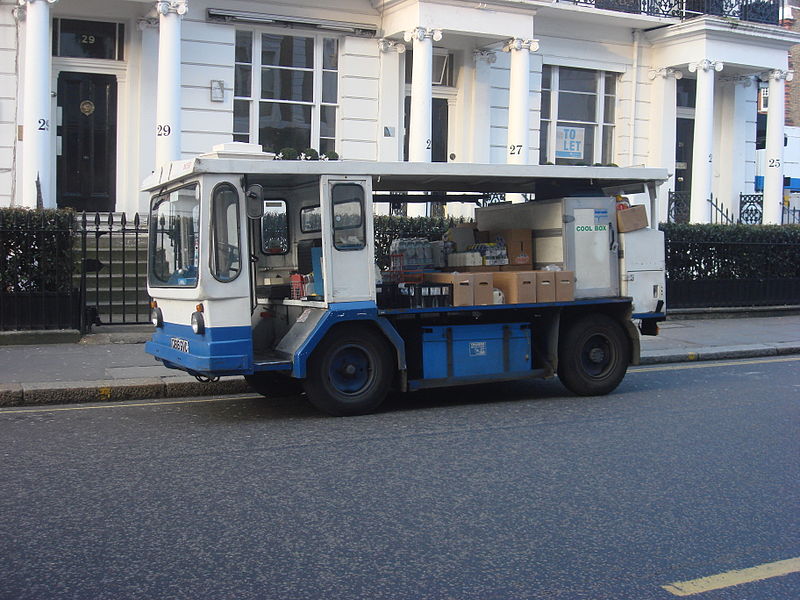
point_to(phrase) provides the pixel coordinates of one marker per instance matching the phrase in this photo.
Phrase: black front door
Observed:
(684, 140)
(87, 164)
(439, 125)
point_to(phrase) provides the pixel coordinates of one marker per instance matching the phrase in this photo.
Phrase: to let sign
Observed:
(569, 142)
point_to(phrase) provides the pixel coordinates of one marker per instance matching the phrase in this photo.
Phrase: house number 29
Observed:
(44, 125)
(164, 130)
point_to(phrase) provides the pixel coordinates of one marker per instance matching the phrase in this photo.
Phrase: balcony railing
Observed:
(755, 11)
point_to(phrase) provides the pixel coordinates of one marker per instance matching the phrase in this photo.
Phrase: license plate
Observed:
(179, 344)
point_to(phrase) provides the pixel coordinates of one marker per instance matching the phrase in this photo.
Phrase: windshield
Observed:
(175, 238)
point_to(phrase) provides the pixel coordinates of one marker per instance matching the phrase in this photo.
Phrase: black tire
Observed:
(274, 385)
(350, 372)
(593, 355)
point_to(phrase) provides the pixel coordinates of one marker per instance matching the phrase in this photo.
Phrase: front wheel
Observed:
(350, 372)
(593, 355)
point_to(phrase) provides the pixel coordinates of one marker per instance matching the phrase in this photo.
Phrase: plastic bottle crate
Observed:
(414, 295)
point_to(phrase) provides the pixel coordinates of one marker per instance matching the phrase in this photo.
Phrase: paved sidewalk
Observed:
(111, 363)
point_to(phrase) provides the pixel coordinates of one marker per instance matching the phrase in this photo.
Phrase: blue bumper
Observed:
(219, 351)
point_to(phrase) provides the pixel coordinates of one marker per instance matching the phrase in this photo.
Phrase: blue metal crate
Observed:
(475, 350)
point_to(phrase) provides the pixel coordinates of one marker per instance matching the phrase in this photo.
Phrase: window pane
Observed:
(327, 121)
(310, 219)
(284, 126)
(576, 107)
(241, 116)
(608, 145)
(546, 77)
(577, 80)
(611, 83)
(175, 239)
(330, 54)
(330, 87)
(226, 258)
(241, 138)
(242, 80)
(286, 84)
(287, 51)
(348, 220)
(686, 92)
(327, 145)
(545, 105)
(274, 228)
(543, 142)
(608, 114)
(244, 47)
(575, 144)
(87, 39)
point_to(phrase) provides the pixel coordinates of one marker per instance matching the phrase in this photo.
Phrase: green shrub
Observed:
(36, 250)
(731, 251)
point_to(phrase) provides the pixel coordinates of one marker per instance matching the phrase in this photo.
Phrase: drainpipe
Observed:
(637, 37)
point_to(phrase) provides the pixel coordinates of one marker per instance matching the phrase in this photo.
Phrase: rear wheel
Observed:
(274, 385)
(350, 372)
(593, 355)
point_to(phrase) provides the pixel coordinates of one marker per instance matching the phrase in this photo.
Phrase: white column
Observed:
(168, 102)
(481, 125)
(37, 144)
(663, 131)
(420, 126)
(519, 104)
(703, 144)
(773, 167)
(419, 134)
(390, 138)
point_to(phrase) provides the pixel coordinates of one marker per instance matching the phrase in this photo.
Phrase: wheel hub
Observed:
(597, 355)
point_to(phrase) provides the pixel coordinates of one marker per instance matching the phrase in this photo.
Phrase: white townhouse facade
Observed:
(96, 94)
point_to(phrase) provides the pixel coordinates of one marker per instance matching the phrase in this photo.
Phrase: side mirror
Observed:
(254, 199)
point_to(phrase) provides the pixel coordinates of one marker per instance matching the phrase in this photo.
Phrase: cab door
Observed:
(347, 239)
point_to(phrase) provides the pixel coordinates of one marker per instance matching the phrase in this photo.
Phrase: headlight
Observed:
(198, 323)
(156, 318)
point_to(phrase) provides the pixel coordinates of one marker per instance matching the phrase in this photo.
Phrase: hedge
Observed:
(731, 251)
(36, 250)
(388, 228)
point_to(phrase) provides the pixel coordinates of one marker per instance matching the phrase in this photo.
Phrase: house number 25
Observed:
(775, 162)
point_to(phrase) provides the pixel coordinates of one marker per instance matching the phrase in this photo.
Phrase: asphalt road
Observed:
(490, 492)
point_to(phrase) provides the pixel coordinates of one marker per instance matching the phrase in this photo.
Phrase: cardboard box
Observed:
(631, 219)
(483, 288)
(518, 287)
(565, 286)
(463, 236)
(545, 286)
(519, 245)
(462, 286)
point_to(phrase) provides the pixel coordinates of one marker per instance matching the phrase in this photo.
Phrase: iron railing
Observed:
(756, 11)
(751, 209)
(726, 274)
(113, 273)
(790, 216)
(678, 207)
(37, 290)
(720, 215)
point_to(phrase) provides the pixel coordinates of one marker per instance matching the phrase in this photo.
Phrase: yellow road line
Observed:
(125, 405)
(711, 364)
(736, 577)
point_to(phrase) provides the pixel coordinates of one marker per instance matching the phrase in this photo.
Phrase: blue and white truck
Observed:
(267, 269)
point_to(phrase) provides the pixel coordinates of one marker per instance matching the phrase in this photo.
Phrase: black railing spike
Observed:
(136, 220)
(97, 220)
(123, 220)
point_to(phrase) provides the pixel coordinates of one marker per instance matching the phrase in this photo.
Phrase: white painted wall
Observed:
(8, 101)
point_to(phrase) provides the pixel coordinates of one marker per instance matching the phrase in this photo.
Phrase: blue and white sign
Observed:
(569, 142)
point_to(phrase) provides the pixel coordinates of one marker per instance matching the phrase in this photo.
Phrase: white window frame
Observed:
(317, 71)
(599, 117)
